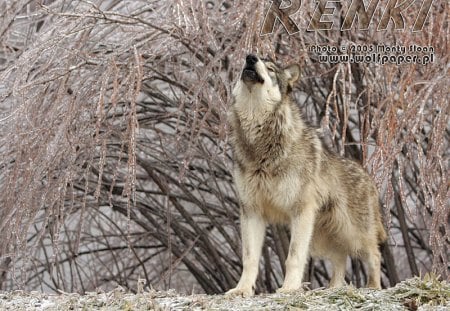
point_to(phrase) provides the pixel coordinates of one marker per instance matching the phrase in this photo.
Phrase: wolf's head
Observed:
(264, 80)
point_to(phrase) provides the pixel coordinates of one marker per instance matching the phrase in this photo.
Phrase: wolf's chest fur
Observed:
(264, 147)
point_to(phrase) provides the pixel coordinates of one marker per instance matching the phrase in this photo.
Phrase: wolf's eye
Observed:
(270, 69)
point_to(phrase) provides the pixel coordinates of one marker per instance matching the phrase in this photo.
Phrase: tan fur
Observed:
(284, 174)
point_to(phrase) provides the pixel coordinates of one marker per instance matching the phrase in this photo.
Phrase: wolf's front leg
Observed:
(301, 231)
(253, 230)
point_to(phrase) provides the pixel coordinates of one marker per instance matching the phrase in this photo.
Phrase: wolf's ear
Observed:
(292, 73)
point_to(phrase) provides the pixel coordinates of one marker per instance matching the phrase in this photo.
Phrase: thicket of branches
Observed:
(114, 160)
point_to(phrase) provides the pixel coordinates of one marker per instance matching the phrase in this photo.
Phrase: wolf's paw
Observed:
(289, 290)
(374, 285)
(244, 292)
(337, 284)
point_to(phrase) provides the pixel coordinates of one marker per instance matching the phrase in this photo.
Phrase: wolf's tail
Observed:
(381, 232)
(382, 236)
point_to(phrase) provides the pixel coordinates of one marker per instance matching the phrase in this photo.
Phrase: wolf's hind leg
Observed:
(372, 257)
(339, 262)
(253, 231)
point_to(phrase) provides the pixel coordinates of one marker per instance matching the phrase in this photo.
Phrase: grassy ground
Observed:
(414, 294)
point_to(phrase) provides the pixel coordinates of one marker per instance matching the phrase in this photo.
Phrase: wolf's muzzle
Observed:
(250, 74)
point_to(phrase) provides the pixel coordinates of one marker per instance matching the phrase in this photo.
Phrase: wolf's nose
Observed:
(251, 59)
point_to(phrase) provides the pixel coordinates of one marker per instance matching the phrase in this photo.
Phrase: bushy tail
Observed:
(382, 236)
(381, 232)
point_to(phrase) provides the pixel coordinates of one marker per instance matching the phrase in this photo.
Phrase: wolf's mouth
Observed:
(249, 74)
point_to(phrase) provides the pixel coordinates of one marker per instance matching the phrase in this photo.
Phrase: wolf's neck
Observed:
(254, 107)
(269, 127)
(256, 102)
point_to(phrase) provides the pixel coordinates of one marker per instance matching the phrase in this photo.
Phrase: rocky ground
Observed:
(413, 294)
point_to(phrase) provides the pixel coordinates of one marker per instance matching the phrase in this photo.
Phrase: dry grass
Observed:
(413, 294)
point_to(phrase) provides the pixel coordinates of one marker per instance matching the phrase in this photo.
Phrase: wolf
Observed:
(284, 174)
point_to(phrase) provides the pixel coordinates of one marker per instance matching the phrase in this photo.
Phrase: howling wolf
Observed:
(284, 174)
